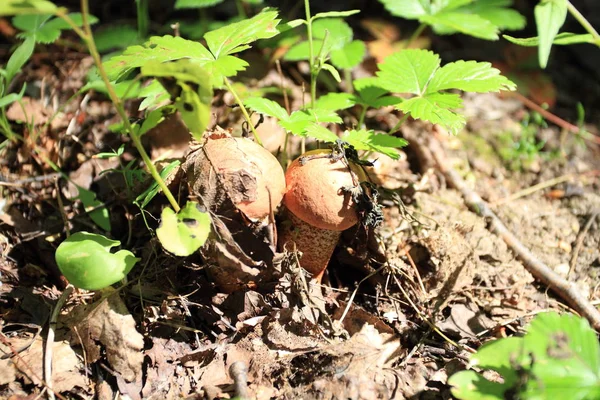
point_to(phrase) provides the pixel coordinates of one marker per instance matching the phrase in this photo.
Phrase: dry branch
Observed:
(564, 289)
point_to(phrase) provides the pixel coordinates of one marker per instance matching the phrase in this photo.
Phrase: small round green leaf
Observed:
(86, 261)
(183, 233)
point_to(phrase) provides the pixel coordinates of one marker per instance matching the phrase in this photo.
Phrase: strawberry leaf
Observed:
(321, 133)
(236, 37)
(435, 109)
(179, 4)
(408, 71)
(470, 76)
(301, 119)
(17, 7)
(267, 107)
(371, 141)
(350, 55)
(564, 38)
(335, 101)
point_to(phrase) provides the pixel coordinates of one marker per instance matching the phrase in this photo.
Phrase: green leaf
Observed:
(350, 55)
(497, 12)
(566, 357)
(18, 58)
(183, 233)
(559, 357)
(335, 101)
(46, 28)
(191, 91)
(301, 51)
(321, 133)
(179, 4)
(337, 31)
(335, 14)
(408, 71)
(334, 72)
(469, 76)
(16, 7)
(266, 107)
(97, 210)
(160, 49)
(550, 16)
(115, 37)
(564, 38)
(153, 94)
(236, 37)
(435, 109)
(12, 97)
(469, 24)
(152, 119)
(300, 119)
(86, 261)
(497, 355)
(369, 140)
(146, 197)
(408, 9)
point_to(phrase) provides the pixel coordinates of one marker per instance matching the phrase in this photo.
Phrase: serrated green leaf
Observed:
(194, 112)
(564, 38)
(236, 37)
(434, 108)
(550, 16)
(469, 76)
(152, 119)
(223, 67)
(300, 119)
(497, 12)
(16, 7)
(266, 107)
(334, 72)
(409, 9)
(335, 101)
(18, 58)
(335, 14)
(337, 30)
(301, 51)
(350, 55)
(86, 261)
(44, 28)
(157, 48)
(183, 233)
(468, 24)
(179, 4)
(369, 94)
(408, 71)
(154, 95)
(369, 140)
(115, 37)
(321, 133)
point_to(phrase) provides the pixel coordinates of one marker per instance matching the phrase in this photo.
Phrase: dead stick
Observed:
(564, 289)
(239, 373)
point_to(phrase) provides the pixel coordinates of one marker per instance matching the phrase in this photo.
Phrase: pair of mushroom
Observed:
(314, 192)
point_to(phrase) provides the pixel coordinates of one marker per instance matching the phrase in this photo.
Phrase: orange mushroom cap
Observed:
(315, 191)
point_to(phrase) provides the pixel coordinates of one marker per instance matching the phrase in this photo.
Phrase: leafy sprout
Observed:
(418, 72)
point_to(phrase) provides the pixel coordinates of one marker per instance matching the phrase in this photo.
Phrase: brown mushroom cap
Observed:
(314, 192)
(251, 175)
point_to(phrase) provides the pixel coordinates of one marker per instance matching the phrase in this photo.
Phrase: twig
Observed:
(579, 241)
(533, 189)
(564, 289)
(239, 373)
(50, 339)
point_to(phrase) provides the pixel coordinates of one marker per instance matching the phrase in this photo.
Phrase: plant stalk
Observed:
(400, 122)
(414, 36)
(584, 22)
(243, 109)
(311, 51)
(88, 38)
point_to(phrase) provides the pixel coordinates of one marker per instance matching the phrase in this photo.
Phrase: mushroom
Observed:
(319, 206)
(241, 184)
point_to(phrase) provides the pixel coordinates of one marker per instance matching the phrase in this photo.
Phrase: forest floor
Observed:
(399, 310)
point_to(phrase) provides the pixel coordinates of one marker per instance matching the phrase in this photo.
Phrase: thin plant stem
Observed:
(142, 18)
(414, 36)
(400, 122)
(243, 109)
(311, 52)
(348, 80)
(88, 38)
(363, 114)
(240, 9)
(584, 22)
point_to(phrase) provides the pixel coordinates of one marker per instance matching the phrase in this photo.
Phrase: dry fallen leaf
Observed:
(107, 323)
(28, 365)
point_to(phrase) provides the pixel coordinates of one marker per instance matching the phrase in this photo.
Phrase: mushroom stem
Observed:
(316, 244)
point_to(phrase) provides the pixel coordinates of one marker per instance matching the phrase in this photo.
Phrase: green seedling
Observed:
(550, 16)
(85, 259)
(184, 232)
(520, 151)
(482, 19)
(559, 357)
(217, 58)
(418, 72)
